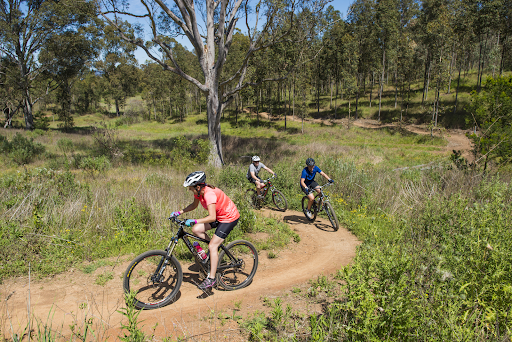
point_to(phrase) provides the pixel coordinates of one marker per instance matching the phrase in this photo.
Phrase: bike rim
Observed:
(240, 270)
(152, 289)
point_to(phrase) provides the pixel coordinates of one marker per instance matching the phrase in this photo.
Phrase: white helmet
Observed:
(255, 158)
(195, 178)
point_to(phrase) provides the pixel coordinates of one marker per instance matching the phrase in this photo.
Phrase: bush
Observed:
(23, 150)
(440, 270)
(94, 165)
(5, 146)
(41, 121)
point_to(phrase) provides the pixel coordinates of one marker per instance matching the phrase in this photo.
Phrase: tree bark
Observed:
(382, 80)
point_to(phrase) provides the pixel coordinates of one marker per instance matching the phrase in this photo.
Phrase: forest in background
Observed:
(420, 56)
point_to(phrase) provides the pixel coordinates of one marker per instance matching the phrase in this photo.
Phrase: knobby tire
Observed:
(305, 200)
(238, 273)
(279, 200)
(150, 292)
(331, 215)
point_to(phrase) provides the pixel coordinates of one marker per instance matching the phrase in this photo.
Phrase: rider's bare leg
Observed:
(259, 185)
(311, 198)
(200, 229)
(213, 246)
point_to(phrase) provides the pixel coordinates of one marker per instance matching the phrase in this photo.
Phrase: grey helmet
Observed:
(195, 178)
(255, 158)
(310, 162)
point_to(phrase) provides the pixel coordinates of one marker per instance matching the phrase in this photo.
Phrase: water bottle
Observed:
(199, 250)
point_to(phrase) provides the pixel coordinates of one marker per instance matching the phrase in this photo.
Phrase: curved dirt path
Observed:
(72, 297)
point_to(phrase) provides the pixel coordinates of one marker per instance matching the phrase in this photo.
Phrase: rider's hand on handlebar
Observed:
(175, 213)
(331, 181)
(190, 223)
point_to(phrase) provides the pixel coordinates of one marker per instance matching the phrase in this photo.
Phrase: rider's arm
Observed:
(324, 175)
(212, 214)
(191, 206)
(253, 175)
(269, 170)
(303, 183)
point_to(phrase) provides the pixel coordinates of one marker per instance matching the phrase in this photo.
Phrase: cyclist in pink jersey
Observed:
(222, 215)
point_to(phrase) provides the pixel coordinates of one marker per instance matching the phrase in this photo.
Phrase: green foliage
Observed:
(106, 140)
(93, 165)
(492, 109)
(41, 121)
(133, 329)
(441, 273)
(65, 145)
(20, 149)
(5, 146)
(182, 155)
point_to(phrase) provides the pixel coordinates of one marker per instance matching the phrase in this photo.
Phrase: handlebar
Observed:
(177, 220)
(266, 180)
(320, 187)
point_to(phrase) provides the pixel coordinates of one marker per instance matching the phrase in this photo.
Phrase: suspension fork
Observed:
(163, 261)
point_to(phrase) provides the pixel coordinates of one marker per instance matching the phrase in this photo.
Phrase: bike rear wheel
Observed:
(331, 215)
(154, 287)
(305, 201)
(251, 196)
(279, 200)
(237, 266)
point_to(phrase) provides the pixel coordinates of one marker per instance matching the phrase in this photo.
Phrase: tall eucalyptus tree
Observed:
(362, 22)
(387, 20)
(209, 26)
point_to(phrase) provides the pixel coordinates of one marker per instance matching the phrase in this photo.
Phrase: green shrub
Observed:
(201, 150)
(24, 150)
(5, 146)
(94, 165)
(65, 145)
(41, 121)
(439, 271)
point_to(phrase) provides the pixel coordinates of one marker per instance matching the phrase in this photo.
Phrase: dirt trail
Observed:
(72, 297)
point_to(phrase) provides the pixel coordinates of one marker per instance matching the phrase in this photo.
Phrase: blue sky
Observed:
(340, 5)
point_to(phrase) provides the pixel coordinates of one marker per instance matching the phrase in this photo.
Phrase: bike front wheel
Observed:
(251, 196)
(154, 278)
(305, 201)
(237, 265)
(279, 200)
(331, 215)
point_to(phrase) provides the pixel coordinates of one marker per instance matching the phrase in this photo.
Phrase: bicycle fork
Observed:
(158, 275)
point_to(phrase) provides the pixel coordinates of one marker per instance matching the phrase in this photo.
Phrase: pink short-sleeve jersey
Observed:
(224, 207)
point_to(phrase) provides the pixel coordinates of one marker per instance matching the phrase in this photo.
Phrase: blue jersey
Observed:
(309, 177)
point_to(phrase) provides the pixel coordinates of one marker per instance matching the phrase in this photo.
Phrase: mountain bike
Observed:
(156, 276)
(321, 203)
(277, 196)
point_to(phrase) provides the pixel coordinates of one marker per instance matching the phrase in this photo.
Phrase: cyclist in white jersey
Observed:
(254, 170)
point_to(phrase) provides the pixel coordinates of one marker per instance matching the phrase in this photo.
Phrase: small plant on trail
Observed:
(135, 334)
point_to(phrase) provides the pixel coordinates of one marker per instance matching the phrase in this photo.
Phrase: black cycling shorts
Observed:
(253, 181)
(223, 228)
(311, 186)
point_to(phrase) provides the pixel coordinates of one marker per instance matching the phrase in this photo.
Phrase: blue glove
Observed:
(175, 213)
(331, 181)
(190, 223)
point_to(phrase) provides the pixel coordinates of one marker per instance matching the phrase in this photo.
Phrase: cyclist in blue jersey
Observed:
(307, 182)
